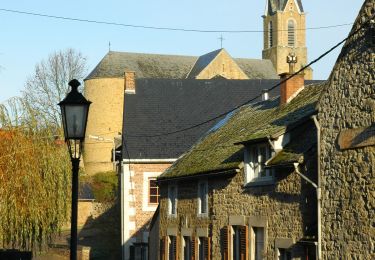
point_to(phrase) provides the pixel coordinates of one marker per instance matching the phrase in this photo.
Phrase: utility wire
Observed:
(258, 96)
(156, 27)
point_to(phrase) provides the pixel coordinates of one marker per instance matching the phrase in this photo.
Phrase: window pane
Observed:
(187, 248)
(154, 199)
(153, 191)
(256, 162)
(259, 243)
(262, 160)
(172, 199)
(203, 197)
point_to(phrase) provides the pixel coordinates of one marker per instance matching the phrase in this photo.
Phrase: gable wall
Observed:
(222, 65)
(348, 176)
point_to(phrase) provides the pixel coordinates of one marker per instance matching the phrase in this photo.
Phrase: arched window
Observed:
(291, 33)
(270, 35)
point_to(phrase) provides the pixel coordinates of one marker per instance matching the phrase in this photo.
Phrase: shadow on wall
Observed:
(103, 234)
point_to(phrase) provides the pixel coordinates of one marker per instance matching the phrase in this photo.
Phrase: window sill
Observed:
(202, 215)
(172, 215)
(256, 183)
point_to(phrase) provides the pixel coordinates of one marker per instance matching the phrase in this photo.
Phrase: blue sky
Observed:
(26, 40)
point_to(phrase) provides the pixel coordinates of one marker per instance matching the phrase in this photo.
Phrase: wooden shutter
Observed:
(244, 242)
(194, 248)
(207, 248)
(163, 248)
(174, 246)
(226, 242)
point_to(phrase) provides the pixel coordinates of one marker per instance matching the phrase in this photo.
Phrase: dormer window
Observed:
(256, 157)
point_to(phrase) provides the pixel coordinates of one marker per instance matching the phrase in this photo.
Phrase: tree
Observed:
(35, 174)
(49, 84)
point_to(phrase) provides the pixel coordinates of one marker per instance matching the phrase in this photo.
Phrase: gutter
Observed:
(195, 176)
(319, 190)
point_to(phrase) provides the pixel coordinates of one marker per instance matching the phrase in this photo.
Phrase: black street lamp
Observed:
(74, 111)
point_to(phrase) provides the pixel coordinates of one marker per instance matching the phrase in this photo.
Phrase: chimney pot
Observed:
(265, 95)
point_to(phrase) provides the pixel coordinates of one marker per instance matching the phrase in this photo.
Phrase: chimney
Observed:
(291, 87)
(129, 77)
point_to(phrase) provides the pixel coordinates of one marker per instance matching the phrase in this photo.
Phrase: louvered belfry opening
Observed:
(291, 33)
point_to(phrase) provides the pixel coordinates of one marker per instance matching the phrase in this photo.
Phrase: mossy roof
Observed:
(216, 151)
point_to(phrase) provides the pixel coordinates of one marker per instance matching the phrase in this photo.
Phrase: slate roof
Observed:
(217, 151)
(279, 5)
(165, 105)
(163, 66)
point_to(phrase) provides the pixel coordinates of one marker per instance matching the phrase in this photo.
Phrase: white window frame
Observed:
(252, 166)
(254, 245)
(199, 200)
(170, 213)
(146, 205)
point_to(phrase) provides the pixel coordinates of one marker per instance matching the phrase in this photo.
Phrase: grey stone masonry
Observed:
(348, 175)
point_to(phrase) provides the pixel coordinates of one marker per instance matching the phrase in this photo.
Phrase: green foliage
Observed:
(104, 186)
(35, 188)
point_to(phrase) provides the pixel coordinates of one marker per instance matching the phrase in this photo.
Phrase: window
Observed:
(187, 249)
(203, 197)
(172, 199)
(284, 254)
(203, 248)
(235, 241)
(270, 35)
(153, 192)
(256, 157)
(257, 243)
(291, 33)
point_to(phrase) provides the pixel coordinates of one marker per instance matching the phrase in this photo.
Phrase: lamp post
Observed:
(74, 111)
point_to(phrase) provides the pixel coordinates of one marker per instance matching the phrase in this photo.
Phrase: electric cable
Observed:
(156, 27)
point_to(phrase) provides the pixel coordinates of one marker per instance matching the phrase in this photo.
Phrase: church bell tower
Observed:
(284, 35)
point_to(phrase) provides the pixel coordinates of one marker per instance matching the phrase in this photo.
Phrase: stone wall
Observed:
(285, 209)
(348, 176)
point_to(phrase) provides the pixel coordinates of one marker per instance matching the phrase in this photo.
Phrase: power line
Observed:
(258, 96)
(155, 27)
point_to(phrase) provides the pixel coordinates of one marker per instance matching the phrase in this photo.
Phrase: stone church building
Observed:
(139, 96)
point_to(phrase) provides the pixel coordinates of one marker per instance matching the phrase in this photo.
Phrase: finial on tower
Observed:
(291, 59)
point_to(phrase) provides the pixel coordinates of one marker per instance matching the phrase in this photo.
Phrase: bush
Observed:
(104, 186)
